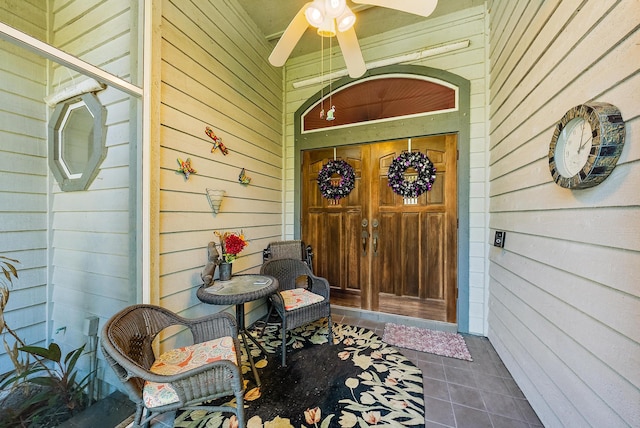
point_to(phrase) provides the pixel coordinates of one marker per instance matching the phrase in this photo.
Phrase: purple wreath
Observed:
(347, 179)
(411, 189)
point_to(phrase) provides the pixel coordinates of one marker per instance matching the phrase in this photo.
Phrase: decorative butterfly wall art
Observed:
(186, 168)
(243, 179)
(217, 142)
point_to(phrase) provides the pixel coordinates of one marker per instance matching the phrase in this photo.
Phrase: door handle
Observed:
(364, 235)
(374, 224)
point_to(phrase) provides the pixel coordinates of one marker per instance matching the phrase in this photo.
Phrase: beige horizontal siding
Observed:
(565, 302)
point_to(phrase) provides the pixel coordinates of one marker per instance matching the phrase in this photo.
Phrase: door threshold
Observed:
(383, 317)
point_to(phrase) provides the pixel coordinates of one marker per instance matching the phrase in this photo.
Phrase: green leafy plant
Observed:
(60, 393)
(48, 389)
(10, 272)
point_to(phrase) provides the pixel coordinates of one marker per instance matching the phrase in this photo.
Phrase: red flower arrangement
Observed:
(231, 243)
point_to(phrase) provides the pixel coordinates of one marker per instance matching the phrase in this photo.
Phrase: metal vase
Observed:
(225, 271)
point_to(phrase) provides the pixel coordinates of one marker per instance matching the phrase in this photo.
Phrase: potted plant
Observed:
(231, 244)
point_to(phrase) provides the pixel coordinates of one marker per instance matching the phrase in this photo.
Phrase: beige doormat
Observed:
(424, 340)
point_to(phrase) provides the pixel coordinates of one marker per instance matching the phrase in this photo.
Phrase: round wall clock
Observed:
(586, 145)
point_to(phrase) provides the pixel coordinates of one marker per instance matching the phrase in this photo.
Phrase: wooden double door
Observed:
(380, 251)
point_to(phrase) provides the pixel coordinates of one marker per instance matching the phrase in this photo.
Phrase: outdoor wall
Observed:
(92, 233)
(23, 176)
(214, 73)
(469, 63)
(565, 291)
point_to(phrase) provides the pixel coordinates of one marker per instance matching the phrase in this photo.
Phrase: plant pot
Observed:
(225, 271)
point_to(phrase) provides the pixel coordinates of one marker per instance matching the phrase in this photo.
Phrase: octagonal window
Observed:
(76, 142)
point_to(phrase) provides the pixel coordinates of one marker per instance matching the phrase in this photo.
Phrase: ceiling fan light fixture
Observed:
(328, 27)
(334, 8)
(346, 20)
(315, 13)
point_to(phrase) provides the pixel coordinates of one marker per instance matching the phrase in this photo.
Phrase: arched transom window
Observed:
(380, 98)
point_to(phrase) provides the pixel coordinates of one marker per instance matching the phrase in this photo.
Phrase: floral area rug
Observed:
(424, 340)
(357, 381)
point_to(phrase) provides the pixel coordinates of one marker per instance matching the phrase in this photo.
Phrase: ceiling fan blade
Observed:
(417, 7)
(290, 38)
(351, 51)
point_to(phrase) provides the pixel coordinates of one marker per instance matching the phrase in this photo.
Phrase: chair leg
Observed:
(266, 321)
(284, 342)
(240, 409)
(330, 330)
(138, 417)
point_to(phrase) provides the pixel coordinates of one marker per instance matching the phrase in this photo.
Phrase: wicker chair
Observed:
(127, 345)
(292, 249)
(296, 305)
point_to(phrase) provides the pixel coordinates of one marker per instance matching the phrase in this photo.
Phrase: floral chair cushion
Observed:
(299, 298)
(180, 360)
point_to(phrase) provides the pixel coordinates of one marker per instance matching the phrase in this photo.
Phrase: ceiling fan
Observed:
(335, 18)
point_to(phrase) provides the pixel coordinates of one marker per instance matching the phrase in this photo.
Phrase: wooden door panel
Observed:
(413, 269)
(409, 253)
(433, 237)
(352, 252)
(388, 247)
(333, 228)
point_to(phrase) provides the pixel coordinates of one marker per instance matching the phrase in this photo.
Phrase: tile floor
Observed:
(464, 394)
(457, 393)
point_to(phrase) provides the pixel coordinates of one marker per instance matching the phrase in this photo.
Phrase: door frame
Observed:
(450, 122)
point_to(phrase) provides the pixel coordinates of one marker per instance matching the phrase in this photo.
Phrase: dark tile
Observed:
(514, 389)
(456, 362)
(432, 358)
(487, 367)
(111, 410)
(527, 412)
(436, 389)
(429, 424)
(371, 325)
(409, 353)
(347, 320)
(501, 405)
(432, 370)
(438, 411)
(491, 383)
(459, 376)
(504, 422)
(466, 417)
(466, 396)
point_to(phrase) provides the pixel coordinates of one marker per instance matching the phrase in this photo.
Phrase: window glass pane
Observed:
(87, 30)
(379, 99)
(76, 139)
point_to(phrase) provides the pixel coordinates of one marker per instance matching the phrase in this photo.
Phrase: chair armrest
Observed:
(319, 285)
(277, 300)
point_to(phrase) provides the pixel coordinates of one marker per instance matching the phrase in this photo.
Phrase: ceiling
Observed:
(273, 16)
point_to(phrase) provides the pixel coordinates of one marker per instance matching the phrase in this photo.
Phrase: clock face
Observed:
(573, 147)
